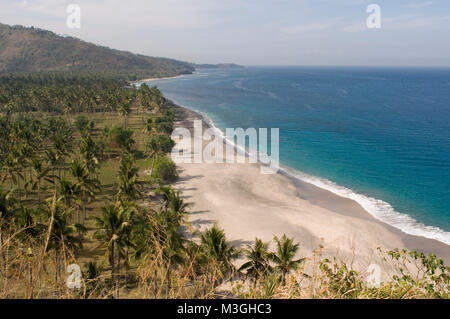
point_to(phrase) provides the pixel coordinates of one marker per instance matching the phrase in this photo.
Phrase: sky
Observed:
(254, 32)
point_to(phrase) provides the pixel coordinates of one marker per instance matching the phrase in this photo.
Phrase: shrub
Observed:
(82, 123)
(160, 143)
(164, 170)
(122, 137)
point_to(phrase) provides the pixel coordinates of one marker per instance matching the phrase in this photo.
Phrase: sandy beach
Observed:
(248, 204)
(155, 79)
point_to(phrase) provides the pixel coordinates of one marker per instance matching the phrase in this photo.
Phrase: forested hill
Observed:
(217, 66)
(30, 49)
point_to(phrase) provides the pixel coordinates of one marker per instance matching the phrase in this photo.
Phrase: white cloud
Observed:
(167, 14)
(310, 27)
(356, 27)
(410, 22)
(403, 22)
(248, 31)
(52, 8)
(418, 5)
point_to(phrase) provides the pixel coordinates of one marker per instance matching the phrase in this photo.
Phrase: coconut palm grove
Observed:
(86, 180)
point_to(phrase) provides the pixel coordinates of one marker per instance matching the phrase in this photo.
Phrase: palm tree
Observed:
(9, 108)
(12, 169)
(114, 227)
(26, 221)
(23, 152)
(178, 209)
(52, 160)
(123, 138)
(128, 174)
(168, 238)
(124, 111)
(29, 141)
(86, 185)
(28, 229)
(215, 246)
(174, 205)
(6, 216)
(258, 260)
(41, 172)
(61, 238)
(90, 151)
(62, 146)
(149, 125)
(284, 256)
(67, 192)
(157, 99)
(125, 242)
(157, 146)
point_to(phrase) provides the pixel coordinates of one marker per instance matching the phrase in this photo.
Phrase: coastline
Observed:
(156, 79)
(266, 205)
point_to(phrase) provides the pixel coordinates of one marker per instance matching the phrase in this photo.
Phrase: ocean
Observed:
(380, 136)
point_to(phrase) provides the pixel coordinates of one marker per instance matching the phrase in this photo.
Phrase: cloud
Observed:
(47, 8)
(310, 27)
(403, 22)
(303, 28)
(356, 27)
(411, 22)
(167, 14)
(418, 5)
(248, 31)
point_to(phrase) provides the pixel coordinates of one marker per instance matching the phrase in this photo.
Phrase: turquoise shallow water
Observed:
(380, 136)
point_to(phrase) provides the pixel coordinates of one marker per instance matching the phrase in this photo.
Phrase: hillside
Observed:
(217, 66)
(30, 49)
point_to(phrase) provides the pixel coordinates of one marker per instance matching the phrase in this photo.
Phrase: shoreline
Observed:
(156, 79)
(347, 210)
(370, 205)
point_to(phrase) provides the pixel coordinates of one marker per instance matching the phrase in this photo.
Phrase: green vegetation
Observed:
(71, 185)
(164, 169)
(217, 66)
(36, 50)
(413, 275)
(85, 179)
(67, 93)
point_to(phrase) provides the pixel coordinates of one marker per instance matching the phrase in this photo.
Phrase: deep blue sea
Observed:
(380, 136)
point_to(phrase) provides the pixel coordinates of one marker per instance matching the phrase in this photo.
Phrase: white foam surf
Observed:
(377, 208)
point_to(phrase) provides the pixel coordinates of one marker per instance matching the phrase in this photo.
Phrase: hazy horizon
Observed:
(255, 33)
